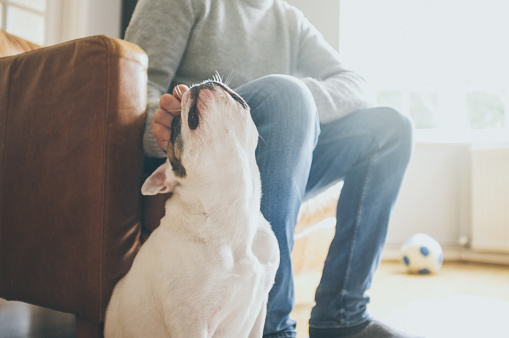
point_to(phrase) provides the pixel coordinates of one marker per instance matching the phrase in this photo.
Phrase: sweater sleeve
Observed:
(161, 29)
(337, 90)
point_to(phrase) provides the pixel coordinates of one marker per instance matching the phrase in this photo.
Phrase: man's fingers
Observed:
(179, 90)
(170, 104)
(161, 125)
(170, 107)
(163, 117)
(161, 134)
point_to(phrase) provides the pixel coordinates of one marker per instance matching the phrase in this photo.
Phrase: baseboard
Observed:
(392, 252)
(469, 255)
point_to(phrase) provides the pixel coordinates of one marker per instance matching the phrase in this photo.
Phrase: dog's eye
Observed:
(193, 118)
(234, 95)
(239, 99)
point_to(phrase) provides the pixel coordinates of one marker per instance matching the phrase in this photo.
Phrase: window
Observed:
(25, 18)
(47, 22)
(443, 62)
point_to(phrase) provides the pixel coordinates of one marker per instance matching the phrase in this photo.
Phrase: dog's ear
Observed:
(160, 182)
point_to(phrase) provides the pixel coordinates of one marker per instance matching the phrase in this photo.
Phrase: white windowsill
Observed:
(479, 138)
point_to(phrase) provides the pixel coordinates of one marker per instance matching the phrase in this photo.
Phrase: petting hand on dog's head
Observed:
(169, 108)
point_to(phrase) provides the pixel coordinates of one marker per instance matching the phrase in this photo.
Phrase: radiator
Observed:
(490, 199)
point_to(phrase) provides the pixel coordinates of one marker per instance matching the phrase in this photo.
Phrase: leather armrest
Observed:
(71, 163)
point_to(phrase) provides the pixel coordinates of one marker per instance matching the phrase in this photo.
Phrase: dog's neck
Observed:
(206, 205)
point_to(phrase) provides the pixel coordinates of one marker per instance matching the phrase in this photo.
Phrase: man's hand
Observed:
(169, 108)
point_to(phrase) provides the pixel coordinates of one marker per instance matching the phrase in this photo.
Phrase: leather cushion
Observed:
(71, 164)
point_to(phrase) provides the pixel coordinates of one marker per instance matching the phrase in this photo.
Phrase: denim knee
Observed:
(286, 104)
(396, 128)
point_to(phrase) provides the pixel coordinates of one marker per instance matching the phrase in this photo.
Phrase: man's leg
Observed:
(284, 112)
(369, 150)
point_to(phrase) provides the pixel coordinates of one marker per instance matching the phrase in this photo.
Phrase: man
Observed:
(316, 128)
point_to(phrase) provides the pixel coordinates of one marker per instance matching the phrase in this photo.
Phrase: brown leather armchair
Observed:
(71, 164)
(71, 168)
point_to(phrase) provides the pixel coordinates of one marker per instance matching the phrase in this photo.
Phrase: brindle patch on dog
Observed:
(176, 147)
(193, 118)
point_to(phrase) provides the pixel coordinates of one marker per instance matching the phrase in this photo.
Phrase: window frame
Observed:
(58, 18)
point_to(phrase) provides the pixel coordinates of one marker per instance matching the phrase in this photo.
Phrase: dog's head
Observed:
(212, 138)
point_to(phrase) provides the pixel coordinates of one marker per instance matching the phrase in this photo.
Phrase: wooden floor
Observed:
(463, 300)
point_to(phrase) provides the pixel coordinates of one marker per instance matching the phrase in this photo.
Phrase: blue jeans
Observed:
(298, 158)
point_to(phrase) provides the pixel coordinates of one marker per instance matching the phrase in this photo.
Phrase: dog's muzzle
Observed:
(193, 118)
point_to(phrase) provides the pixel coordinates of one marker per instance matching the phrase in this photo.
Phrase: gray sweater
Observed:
(188, 41)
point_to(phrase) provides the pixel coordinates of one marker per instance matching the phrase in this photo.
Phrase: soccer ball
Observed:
(422, 254)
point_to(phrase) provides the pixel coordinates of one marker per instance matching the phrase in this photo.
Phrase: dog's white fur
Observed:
(207, 269)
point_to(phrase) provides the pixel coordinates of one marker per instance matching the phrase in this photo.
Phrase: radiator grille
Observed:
(490, 199)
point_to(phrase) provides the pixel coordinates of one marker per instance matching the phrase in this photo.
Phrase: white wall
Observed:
(435, 196)
(324, 15)
(103, 17)
(73, 19)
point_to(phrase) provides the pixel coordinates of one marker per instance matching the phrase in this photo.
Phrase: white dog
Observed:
(207, 269)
